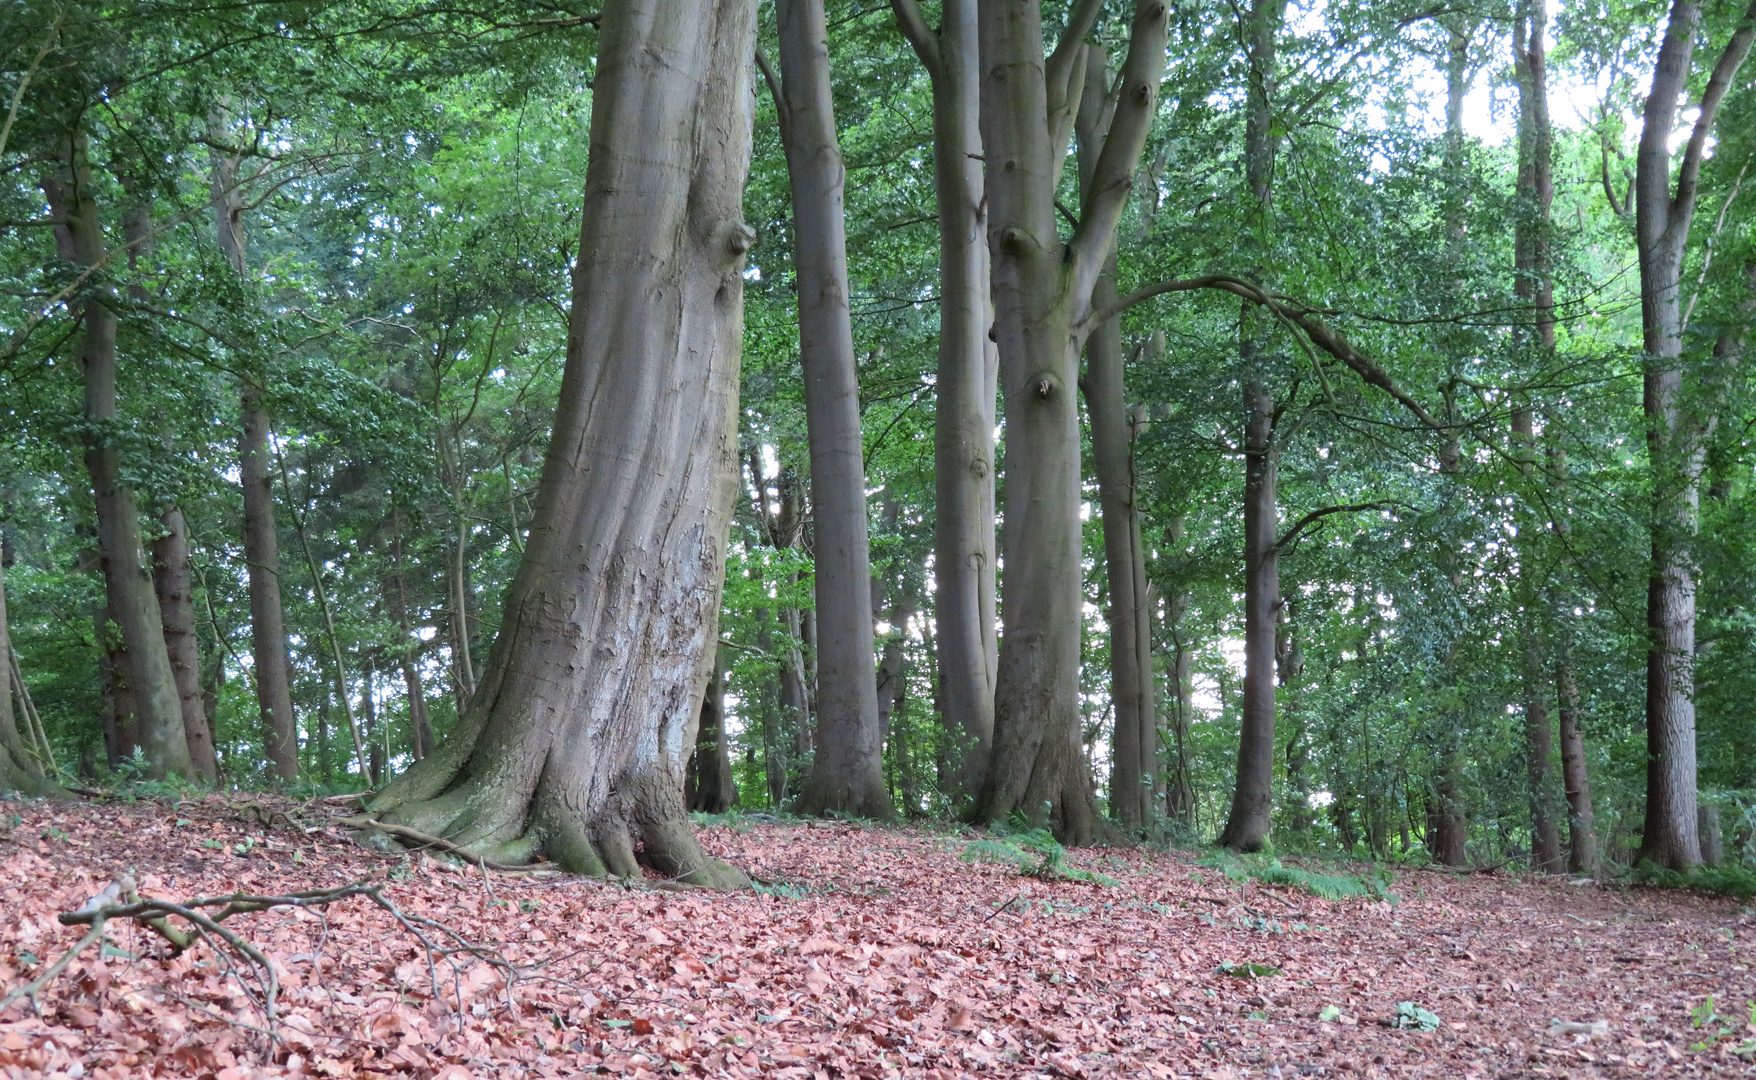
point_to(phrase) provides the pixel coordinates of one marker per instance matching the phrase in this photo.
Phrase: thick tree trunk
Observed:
(1674, 432)
(133, 605)
(964, 392)
(576, 741)
(847, 769)
(1134, 745)
(268, 634)
(174, 584)
(710, 787)
(1042, 296)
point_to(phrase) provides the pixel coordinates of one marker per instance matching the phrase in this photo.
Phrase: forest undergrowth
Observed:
(863, 952)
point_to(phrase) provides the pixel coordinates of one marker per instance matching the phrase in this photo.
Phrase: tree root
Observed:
(427, 840)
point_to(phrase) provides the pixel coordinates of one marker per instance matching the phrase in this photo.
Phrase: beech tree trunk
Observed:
(576, 740)
(1252, 814)
(1134, 745)
(1042, 296)
(128, 582)
(174, 584)
(1675, 432)
(268, 634)
(710, 787)
(964, 392)
(1179, 788)
(847, 769)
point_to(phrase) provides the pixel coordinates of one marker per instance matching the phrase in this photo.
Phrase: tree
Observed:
(1042, 298)
(1675, 425)
(965, 386)
(847, 771)
(268, 634)
(576, 741)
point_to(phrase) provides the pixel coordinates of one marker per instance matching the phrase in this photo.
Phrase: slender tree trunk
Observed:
(1133, 749)
(420, 721)
(847, 769)
(369, 715)
(1674, 431)
(892, 682)
(72, 198)
(576, 740)
(460, 632)
(711, 788)
(174, 585)
(1582, 834)
(268, 634)
(20, 771)
(964, 391)
(1179, 791)
(1252, 814)
(1289, 663)
(1042, 289)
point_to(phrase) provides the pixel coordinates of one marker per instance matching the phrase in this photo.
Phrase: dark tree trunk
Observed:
(133, 605)
(576, 741)
(1582, 853)
(1289, 667)
(174, 584)
(1179, 790)
(1042, 290)
(1675, 433)
(964, 393)
(710, 787)
(268, 635)
(847, 768)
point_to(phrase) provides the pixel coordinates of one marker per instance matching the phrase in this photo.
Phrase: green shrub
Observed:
(1271, 871)
(1035, 853)
(1734, 881)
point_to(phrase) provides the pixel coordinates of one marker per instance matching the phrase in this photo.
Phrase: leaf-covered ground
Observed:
(872, 952)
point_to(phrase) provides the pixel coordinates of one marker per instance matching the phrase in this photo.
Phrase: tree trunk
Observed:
(133, 605)
(1042, 296)
(1133, 748)
(576, 740)
(369, 719)
(964, 393)
(1582, 835)
(1674, 432)
(174, 585)
(847, 769)
(1180, 791)
(1289, 661)
(710, 787)
(20, 771)
(892, 682)
(268, 634)
(1252, 814)
(420, 721)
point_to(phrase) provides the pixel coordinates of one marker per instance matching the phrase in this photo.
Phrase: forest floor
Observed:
(872, 952)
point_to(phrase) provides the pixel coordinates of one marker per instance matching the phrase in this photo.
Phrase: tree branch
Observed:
(1717, 86)
(1113, 177)
(1317, 515)
(1059, 74)
(1320, 333)
(774, 89)
(913, 24)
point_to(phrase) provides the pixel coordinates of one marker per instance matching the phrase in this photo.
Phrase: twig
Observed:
(1002, 907)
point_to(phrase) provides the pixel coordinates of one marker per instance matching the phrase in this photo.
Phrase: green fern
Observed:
(1034, 853)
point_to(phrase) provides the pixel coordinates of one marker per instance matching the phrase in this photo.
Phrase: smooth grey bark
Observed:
(1133, 747)
(965, 385)
(576, 741)
(1251, 818)
(847, 768)
(268, 634)
(174, 584)
(1042, 289)
(709, 787)
(1675, 432)
(128, 582)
